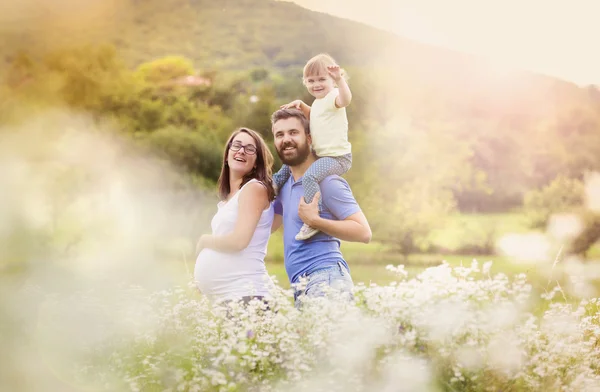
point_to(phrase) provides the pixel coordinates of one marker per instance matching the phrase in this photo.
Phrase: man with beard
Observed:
(318, 261)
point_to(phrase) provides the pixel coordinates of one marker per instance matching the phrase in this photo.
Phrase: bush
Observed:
(165, 69)
(197, 152)
(408, 219)
(562, 195)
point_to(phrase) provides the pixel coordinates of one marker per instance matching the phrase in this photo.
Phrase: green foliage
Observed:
(194, 151)
(165, 69)
(561, 196)
(564, 195)
(178, 122)
(404, 181)
(254, 111)
(89, 76)
(403, 218)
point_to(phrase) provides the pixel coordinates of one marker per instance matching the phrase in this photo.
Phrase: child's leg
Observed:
(319, 170)
(281, 177)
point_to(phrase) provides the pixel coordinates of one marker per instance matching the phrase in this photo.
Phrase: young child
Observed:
(325, 81)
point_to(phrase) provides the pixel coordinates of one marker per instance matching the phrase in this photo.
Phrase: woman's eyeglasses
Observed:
(248, 148)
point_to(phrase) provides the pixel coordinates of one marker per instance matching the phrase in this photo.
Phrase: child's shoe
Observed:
(306, 232)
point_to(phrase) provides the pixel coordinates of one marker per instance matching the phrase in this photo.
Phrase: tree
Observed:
(562, 195)
(403, 178)
(90, 76)
(588, 236)
(165, 70)
(196, 152)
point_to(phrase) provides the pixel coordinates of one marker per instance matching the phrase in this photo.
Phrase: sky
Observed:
(553, 37)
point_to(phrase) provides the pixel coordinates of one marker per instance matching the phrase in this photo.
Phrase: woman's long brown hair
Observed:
(263, 171)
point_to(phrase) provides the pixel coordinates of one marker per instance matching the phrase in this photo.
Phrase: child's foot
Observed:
(306, 232)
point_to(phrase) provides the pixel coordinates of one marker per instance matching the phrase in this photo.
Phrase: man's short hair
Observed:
(284, 114)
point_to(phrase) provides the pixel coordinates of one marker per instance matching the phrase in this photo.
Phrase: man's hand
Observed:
(309, 213)
(297, 104)
(334, 72)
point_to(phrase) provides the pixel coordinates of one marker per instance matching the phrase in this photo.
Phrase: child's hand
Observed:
(294, 104)
(335, 72)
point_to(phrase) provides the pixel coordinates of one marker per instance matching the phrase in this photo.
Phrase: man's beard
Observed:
(302, 153)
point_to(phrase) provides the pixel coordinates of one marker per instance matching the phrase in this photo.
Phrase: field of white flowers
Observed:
(446, 329)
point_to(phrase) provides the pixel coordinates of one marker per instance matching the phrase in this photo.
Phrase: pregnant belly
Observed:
(216, 272)
(210, 266)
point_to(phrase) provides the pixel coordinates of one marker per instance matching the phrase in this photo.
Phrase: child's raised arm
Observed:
(300, 105)
(345, 96)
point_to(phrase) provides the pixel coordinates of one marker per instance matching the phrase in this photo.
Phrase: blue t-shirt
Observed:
(322, 250)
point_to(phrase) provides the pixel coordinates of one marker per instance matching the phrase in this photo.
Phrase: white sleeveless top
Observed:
(230, 276)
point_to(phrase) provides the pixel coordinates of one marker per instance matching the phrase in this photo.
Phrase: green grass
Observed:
(375, 272)
(453, 233)
(462, 230)
(594, 252)
(368, 261)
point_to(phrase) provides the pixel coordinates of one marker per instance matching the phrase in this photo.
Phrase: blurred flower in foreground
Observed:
(564, 227)
(592, 192)
(528, 247)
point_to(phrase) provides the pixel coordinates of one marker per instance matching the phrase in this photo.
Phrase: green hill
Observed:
(521, 129)
(244, 33)
(431, 129)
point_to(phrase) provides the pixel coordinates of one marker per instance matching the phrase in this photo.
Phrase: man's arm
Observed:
(354, 228)
(300, 105)
(352, 225)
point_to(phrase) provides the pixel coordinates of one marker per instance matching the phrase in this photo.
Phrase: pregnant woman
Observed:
(230, 265)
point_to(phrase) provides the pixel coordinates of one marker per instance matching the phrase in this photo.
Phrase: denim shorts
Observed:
(321, 281)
